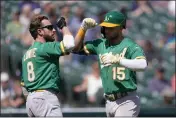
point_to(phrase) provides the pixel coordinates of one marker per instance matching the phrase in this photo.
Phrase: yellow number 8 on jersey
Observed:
(30, 70)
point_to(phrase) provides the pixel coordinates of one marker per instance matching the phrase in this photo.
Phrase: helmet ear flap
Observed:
(103, 32)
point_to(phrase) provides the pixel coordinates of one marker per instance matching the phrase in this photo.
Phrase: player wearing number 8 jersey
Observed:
(119, 58)
(40, 66)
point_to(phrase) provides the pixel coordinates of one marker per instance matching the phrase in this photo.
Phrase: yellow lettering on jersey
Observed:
(30, 54)
(122, 55)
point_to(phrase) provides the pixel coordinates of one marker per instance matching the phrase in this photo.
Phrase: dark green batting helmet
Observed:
(113, 19)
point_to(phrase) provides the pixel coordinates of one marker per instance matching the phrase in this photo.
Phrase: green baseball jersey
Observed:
(40, 66)
(116, 78)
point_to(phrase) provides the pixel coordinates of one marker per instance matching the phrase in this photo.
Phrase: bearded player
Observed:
(119, 59)
(40, 67)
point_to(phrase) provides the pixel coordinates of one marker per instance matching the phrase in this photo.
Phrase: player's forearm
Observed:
(66, 31)
(134, 64)
(85, 25)
(68, 39)
(79, 40)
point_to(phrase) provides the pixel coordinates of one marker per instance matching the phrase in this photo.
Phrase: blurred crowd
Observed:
(150, 23)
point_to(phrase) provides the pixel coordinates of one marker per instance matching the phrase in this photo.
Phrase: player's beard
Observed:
(49, 38)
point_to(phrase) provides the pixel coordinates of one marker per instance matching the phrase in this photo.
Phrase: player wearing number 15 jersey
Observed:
(119, 59)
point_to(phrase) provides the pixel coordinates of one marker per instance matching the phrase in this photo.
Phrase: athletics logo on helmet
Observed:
(113, 19)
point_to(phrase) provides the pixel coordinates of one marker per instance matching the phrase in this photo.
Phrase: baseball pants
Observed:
(125, 106)
(43, 104)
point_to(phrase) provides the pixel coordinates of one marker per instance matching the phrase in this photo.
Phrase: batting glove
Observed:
(109, 59)
(61, 23)
(88, 23)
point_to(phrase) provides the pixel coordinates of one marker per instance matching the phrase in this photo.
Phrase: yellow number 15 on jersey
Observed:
(118, 73)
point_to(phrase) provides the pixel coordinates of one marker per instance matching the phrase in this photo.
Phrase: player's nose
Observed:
(54, 30)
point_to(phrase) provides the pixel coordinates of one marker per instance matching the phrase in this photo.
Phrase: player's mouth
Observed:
(53, 36)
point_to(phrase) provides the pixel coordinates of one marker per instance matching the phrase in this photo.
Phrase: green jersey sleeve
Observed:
(136, 52)
(91, 47)
(53, 48)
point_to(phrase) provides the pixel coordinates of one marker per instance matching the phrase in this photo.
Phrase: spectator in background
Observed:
(168, 97)
(47, 7)
(91, 84)
(150, 51)
(173, 83)
(169, 39)
(4, 100)
(25, 18)
(34, 4)
(171, 7)
(17, 100)
(124, 10)
(53, 16)
(14, 28)
(5, 90)
(158, 83)
(141, 6)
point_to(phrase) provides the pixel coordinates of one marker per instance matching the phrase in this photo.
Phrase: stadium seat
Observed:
(145, 102)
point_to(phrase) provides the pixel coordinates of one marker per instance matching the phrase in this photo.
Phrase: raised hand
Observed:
(88, 23)
(61, 23)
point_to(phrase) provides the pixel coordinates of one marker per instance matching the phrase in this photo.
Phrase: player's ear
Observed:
(40, 32)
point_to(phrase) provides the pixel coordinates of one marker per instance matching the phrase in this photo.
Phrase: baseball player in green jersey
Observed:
(119, 58)
(40, 66)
